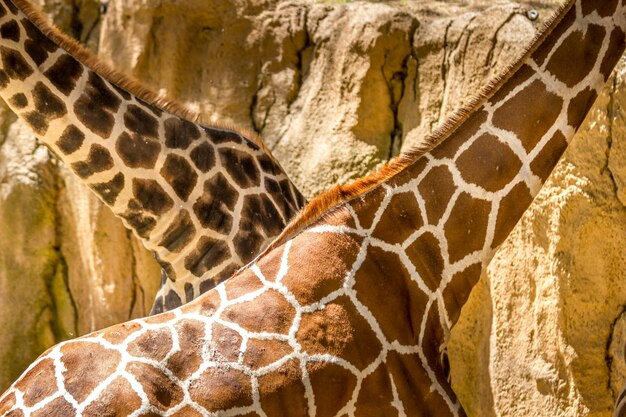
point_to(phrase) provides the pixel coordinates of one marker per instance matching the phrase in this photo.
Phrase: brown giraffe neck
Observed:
(488, 161)
(476, 183)
(205, 199)
(349, 316)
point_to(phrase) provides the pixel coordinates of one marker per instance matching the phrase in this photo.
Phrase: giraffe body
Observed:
(206, 200)
(348, 313)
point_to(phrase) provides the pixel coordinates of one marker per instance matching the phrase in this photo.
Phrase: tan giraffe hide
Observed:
(532, 341)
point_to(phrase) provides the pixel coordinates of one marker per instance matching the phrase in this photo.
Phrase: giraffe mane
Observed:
(328, 202)
(124, 81)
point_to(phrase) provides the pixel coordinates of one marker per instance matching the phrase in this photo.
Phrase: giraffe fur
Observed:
(349, 314)
(205, 199)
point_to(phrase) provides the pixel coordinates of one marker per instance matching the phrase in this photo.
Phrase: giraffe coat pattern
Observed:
(344, 315)
(158, 171)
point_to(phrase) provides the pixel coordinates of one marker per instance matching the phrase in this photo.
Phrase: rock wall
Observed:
(336, 88)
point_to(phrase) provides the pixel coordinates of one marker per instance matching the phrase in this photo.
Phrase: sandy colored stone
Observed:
(336, 88)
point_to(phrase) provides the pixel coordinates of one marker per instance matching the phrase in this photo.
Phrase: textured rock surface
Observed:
(336, 89)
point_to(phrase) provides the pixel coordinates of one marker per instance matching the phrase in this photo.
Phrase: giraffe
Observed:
(205, 199)
(348, 311)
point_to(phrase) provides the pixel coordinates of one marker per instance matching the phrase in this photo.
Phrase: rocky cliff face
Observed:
(336, 88)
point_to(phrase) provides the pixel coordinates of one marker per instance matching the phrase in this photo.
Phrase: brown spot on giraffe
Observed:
(467, 227)
(19, 101)
(83, 374)
(162, 392)
(580, 48)
(151, 196)
(172, 297)
(110, 403)
(260, 352)
(269, 267)
(425, 255)
(220, 389)
(245, 284)
(179, 233)
(604, 9)
(186, 361)
(520, 77)
(542, 52)
(180, 175)
(226, 344)
(179, 133)
(110, 190)
(270, 312)
(208, 253)
(215, 213)
(203, 156)
(37, 46)
(415, 393)
(338, 329)
(511, 208)
(282, 391)
(433, 339)
(160, 319)
(367, 213)
(402, 208)
(335, 254)
(125, 94)
(278, 191)
(579, 106)
(59, 407)
(383, 273)
(225, 273)
(8, 401)
(189, 291)
(436, 189)
(332, 387)
(140, 122)
(47, 103)
(528, 121)
(220, 136)
(376, 395)
(449, 147)
(188, 411)
(70, 140)
(14, 64)
(96, 105)
(549, 155)
(267, 164)
(142, 224)
(36, 121)
(98, 160)
(154, 345)
(613, 54)
(149, 106)
(488, 163)
(64, 73)
(241, 167)
(456, 293)
(260, 220)
(12, 7)
(138, 151)
(34, 385)
(10, 30)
